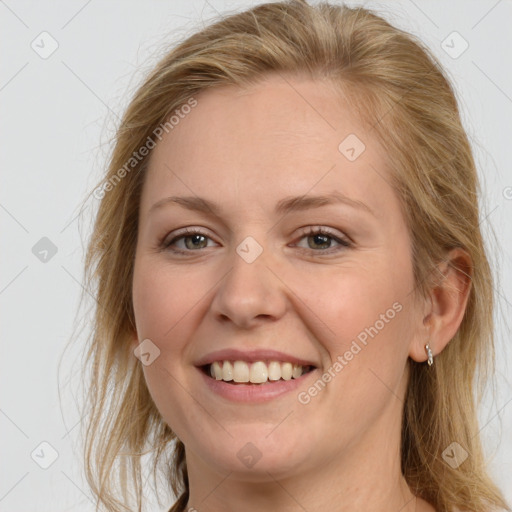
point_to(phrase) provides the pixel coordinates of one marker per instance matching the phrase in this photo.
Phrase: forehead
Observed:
(280, 137)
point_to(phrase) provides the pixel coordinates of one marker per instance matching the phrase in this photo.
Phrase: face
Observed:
(268, 274)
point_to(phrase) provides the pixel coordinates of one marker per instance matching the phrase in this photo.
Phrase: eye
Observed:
(193, 240)
(320, 239)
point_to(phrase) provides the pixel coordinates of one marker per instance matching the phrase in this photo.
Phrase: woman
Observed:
(294, 292)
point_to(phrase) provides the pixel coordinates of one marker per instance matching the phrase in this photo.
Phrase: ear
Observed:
(446, 306)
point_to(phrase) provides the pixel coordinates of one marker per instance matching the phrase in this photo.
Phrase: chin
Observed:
(255, 456)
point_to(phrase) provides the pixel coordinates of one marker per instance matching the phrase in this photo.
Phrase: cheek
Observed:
(352, 300)
(162, 300)
(365, 333)
(164, 307)
(364, 310)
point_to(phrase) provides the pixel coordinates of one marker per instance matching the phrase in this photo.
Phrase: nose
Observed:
(250, 293)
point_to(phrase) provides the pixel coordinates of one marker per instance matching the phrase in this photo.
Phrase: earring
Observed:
(430, 359)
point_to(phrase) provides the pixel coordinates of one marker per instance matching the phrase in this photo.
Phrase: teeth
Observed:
(227, 371)
(286, 371)
(240, 371)
(258, 372)
(217, 371)
(274, 370)
(296, 371)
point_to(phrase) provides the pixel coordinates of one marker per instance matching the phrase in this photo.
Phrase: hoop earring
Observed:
(430, 359)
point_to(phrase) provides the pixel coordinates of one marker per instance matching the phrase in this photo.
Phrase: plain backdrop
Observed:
(67, 71)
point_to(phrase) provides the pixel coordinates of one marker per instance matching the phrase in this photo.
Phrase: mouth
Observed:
(254, 375)
(265, 372)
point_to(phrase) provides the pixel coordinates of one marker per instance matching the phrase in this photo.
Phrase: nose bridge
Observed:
(249, 290)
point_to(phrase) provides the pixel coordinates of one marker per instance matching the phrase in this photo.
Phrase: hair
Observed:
(401, 93)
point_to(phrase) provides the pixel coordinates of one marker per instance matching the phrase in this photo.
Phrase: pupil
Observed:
(195, 238)
(324, 237)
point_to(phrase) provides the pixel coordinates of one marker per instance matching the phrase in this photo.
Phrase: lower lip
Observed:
(253, 393)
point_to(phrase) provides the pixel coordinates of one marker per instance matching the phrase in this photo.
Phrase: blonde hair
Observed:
(407, 102)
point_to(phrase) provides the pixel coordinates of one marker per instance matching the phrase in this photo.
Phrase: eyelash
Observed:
(345, 243)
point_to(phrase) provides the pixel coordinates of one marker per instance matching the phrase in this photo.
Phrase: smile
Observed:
(258, 372)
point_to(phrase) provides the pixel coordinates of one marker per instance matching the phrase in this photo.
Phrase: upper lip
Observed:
(251, 356)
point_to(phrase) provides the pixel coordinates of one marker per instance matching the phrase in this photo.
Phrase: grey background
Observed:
(57, 115)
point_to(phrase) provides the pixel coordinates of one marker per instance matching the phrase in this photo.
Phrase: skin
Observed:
(246, 149)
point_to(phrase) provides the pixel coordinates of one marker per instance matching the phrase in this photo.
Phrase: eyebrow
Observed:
(283, 207)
